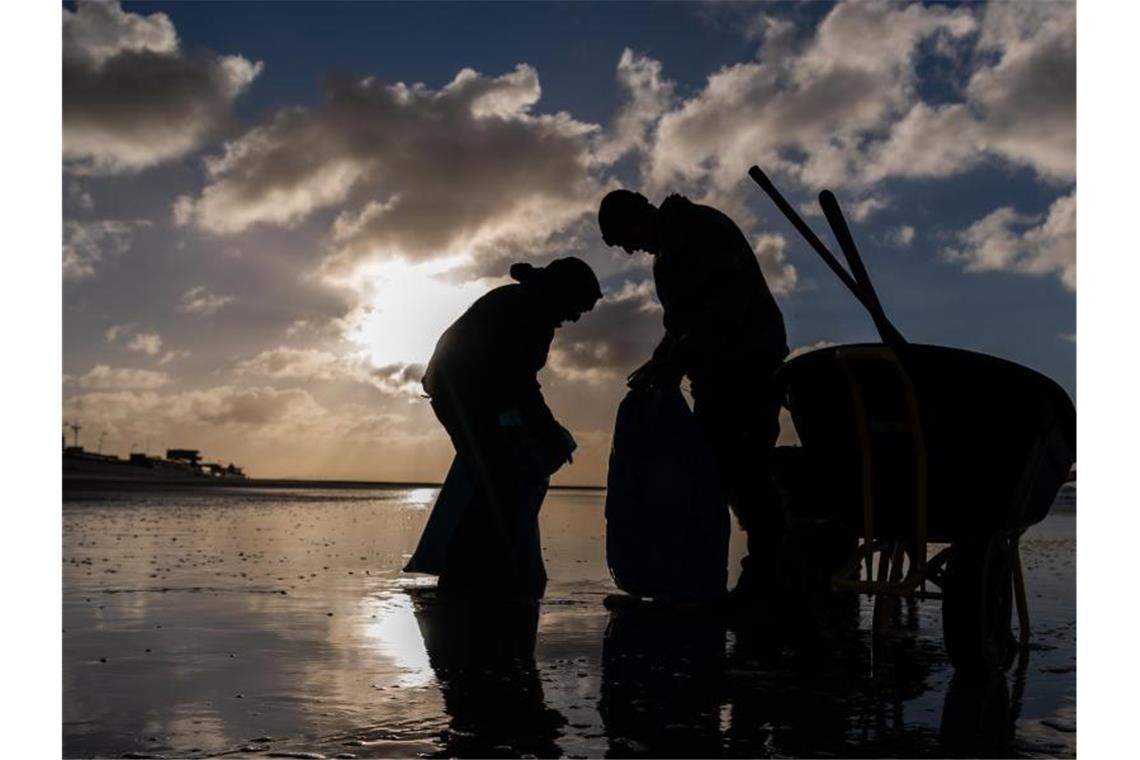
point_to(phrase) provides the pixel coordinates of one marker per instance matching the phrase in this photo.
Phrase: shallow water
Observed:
(279, 623)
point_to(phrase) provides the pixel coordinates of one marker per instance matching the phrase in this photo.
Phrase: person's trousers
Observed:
(485, 555)
(740, 415)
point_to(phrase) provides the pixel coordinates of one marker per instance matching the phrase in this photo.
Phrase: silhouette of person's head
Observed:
(568, 285)
(627, 219)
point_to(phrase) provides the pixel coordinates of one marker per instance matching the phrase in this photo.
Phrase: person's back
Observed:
(495, 348)
(709, 280)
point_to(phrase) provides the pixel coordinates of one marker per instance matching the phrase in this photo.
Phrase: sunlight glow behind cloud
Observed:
(409, 309)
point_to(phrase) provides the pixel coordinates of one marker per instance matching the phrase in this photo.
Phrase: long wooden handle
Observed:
(866, 296)
(834, 215)
(766, 185)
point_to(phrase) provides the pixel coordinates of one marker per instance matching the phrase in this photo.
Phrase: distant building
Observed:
(189, 456)
(178, 463)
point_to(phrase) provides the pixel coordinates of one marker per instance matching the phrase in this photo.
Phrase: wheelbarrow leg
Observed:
(1019, 592)
(890, 570)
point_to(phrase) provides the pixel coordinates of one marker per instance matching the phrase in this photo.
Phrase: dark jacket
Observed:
(491, 357)
(710, 284)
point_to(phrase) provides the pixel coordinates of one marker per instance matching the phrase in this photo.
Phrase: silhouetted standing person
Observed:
(482, 383)
(722, 329)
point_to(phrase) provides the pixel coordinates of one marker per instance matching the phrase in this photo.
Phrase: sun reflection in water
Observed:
(420, 498)
(396, 635)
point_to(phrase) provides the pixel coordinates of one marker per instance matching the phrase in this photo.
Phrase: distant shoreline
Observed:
(87, 483)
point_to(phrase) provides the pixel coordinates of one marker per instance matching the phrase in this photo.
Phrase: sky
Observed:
(272, 210)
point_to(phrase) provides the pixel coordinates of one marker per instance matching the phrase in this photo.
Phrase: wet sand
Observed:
(278, 623)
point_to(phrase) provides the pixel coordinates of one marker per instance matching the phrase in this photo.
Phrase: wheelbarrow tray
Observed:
(999, 438)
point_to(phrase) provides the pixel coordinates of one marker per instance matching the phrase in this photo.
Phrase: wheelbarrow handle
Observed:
(831, 210)
(766, 185)
(870, 302)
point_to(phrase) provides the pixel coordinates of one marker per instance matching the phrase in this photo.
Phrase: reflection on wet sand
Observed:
(662, 679)
(672, 688)
(482, 652)
(178, 641)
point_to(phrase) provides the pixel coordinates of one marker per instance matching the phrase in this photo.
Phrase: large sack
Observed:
(667, 520)
(454, 497)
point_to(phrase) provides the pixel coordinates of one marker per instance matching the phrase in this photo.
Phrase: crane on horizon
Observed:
(75, 427)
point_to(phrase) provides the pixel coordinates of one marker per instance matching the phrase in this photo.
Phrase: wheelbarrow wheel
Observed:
(977, 604)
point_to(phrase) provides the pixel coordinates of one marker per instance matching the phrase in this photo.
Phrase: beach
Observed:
(277, 622)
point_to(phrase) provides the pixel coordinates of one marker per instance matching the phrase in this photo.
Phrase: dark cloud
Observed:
(612, 340)
(132, 98)
(415, 173)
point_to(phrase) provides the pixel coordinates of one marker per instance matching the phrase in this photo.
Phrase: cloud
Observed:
(104, 377)
(285, 363)
(1028, 97)
(611, 341)
(650, 95)
(147, 412)
(843, 107)
(399, 379)
(114, 332)
(862, 210)
(295, 363)
(414, 173)
(901, 236)
(132, 98)
(171, 356)
(148, 343)
(807, 109)
(78, 195)
(771, 251)
(201, 302)
(1009, 240)
(86, 244)
(1020, 103)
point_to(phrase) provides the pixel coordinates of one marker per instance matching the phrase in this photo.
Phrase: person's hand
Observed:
(557, 450)
(571, 444)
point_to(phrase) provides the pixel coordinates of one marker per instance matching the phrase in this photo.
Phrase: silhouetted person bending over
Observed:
(484, 368)
(722, 329)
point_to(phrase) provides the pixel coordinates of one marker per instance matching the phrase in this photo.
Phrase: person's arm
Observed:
(538, 419)
(647, 374)
(536, 416)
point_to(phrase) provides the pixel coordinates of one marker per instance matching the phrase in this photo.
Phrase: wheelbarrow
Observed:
(913, 445)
